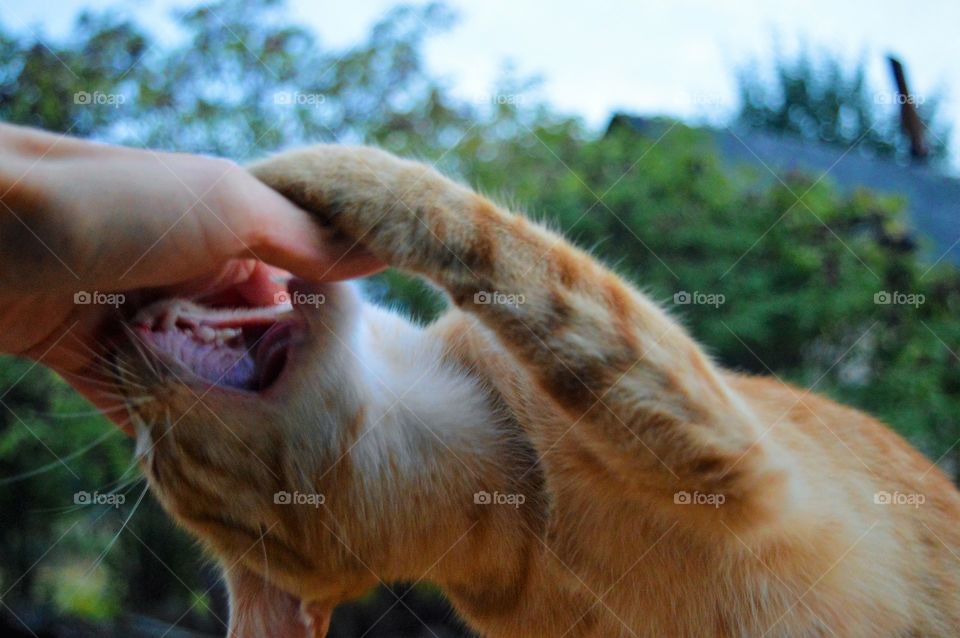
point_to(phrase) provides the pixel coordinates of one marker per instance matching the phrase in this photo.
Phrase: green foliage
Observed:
(78, 592)
(798, 265)
(815, 96)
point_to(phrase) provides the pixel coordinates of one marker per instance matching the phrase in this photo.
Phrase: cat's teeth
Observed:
(174, 315)
(206, 333)
(216, 336)
(169, 320)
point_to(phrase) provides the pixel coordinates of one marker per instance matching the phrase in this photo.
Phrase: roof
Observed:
(933, 198)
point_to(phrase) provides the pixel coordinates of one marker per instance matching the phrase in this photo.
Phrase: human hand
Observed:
(78, 218)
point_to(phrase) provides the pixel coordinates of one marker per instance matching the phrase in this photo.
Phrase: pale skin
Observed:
(80, 216)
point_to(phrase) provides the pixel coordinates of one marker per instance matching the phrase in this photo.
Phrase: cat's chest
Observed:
(637, 574)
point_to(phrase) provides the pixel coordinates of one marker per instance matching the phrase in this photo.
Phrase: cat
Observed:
(555, 452)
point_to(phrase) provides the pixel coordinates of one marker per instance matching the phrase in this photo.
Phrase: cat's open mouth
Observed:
(243, 348)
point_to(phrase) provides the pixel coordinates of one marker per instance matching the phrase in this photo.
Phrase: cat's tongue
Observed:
(218, 363)
(239, 348)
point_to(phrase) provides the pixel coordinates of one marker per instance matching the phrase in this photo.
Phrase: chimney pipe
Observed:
(909, 117)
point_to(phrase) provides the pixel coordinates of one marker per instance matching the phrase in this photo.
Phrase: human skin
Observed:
(80, 216)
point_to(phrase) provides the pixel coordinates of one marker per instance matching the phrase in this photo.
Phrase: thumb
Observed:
(286, 236)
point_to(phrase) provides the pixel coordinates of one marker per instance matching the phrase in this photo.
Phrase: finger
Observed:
(290, 239)
(263, 285)
(257, 287)
(223, 276)
(336, 263)
(240, 282)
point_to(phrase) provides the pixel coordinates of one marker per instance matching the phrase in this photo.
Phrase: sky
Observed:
(676, 58)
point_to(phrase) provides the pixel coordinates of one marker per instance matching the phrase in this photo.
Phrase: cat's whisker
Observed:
(116, 536)
(124, 375)
(120, 484)
(124, 485)
(107, 389)
(123, 372)
(125, 399)
(128, 485)
(82, 413)
(99, 382)
(98, 356)
(266, 561)
(59, 463)
(96, 353)
(142, 351)
(70, 509)
(75, 508)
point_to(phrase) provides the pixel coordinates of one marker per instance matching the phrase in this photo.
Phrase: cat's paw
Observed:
(402, 211)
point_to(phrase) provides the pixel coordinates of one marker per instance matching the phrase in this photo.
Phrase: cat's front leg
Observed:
(638, 393)
(403, 211)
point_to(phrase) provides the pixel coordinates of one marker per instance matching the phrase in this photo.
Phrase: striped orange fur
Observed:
(661, 494)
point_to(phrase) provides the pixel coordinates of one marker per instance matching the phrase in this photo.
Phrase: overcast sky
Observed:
(595, 57)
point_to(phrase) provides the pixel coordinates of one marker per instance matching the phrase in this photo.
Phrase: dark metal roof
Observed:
(933, 199)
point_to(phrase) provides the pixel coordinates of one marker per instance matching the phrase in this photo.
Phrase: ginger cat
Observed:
(555, 452)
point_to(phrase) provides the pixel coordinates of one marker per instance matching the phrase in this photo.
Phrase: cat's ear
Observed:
(260, 610)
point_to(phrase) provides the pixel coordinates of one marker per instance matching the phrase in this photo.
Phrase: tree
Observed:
(816, 97)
